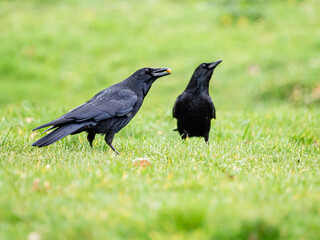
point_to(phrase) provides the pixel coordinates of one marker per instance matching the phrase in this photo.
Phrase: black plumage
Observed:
(194, 108)
(107, 112)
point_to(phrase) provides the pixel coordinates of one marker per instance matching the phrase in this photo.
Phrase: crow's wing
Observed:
(179, 106)
(106, 104)
(208, 106)
(187, 104)
(213, 115)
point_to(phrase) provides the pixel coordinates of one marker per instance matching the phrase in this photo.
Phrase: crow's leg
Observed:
(184, 134)
(207, 132)
(90, 138)
(108, 138)
(206, 139)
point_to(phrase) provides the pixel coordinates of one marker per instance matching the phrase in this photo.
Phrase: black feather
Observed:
(58, 134)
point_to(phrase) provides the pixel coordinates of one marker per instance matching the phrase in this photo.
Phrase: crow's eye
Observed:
(147, 70)
(203, 65)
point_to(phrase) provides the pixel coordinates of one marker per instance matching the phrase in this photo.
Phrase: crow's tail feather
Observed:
(58, 134)
(53, 123)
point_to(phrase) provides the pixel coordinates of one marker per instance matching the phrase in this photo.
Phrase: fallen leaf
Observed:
(142, 163)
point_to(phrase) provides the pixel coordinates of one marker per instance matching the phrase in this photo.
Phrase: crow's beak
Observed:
(160, 72)
(214, 64)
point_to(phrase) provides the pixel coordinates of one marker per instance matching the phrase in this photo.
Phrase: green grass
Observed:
(254, 182)
(258, 178)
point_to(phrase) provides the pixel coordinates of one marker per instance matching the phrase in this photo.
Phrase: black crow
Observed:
(194, 108)
(107, 112)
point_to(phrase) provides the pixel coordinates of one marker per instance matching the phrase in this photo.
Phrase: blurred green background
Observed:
(60, 53)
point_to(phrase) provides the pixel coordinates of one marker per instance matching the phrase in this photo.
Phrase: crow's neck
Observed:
(133, 84)
(198, 85)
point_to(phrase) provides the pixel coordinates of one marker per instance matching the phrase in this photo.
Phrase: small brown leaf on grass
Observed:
(142, 163)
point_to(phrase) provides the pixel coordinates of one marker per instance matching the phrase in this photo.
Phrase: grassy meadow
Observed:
(258, 178)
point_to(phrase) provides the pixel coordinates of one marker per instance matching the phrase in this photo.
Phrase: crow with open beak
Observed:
(107, 112)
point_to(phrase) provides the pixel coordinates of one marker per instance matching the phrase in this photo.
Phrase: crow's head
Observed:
(202, 75)
(146, 76)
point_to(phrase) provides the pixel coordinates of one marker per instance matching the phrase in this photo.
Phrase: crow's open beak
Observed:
(214, 64)
(160, 72)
